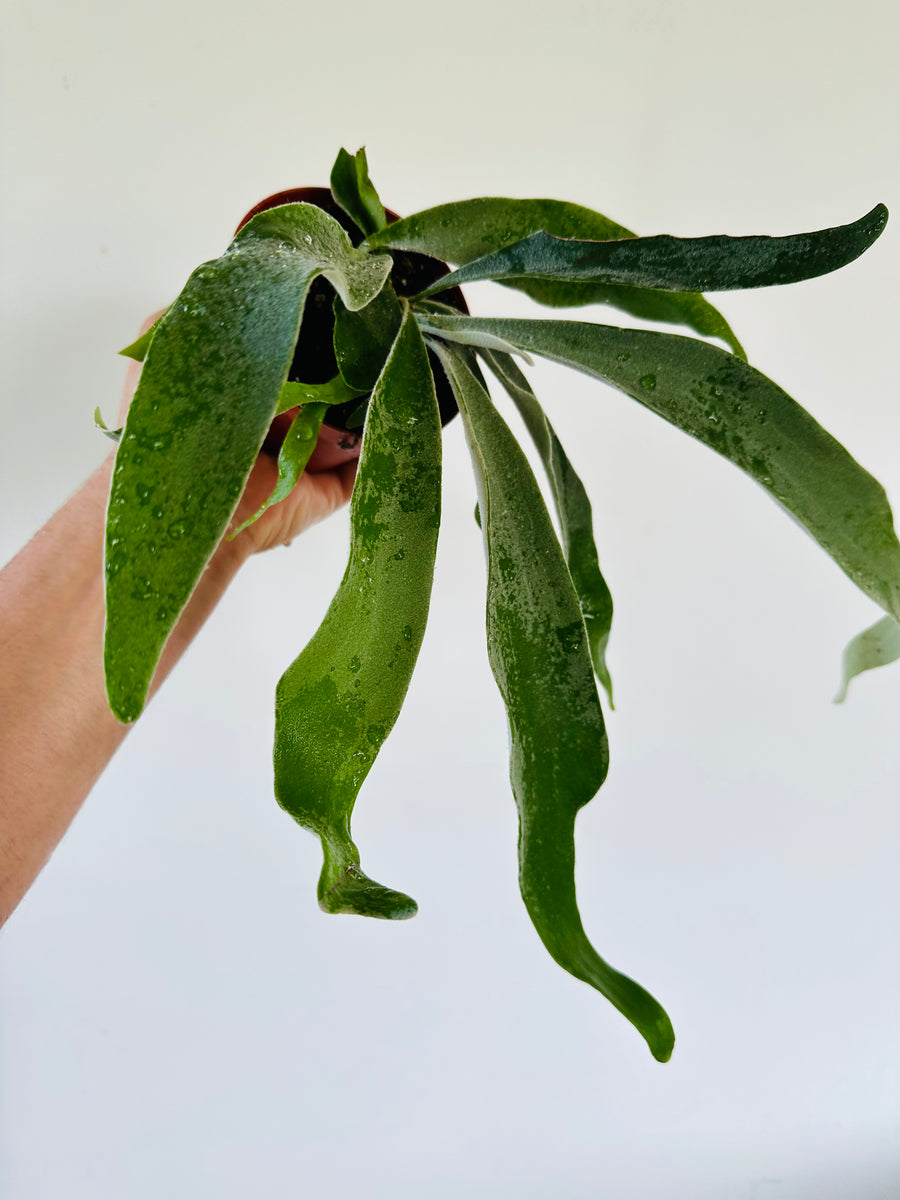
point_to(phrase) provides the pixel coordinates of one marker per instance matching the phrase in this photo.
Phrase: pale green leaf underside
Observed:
(539, 655)
(573, 510)
(466, 230)
(464, 337)
(337, 702)
(742, 415)
(208, 391)
(704, 264)
(874, 647)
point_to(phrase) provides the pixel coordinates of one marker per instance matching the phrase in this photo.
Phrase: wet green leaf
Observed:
(139, 347)
(573, 509)
(539, 655)
(363, 339)
(464, 230)
(874, 647)
(742, 415)
(705, 264)
(468, 229)
(208, 391)
(356, 418)
(100, 424)
(355, 193)
(333, 391)
(303, 231)
(298, 445)
(337, 702)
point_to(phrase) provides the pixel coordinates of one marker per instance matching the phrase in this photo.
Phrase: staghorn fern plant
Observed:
(225, 359)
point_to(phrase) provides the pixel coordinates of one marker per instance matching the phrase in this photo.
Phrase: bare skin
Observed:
(56, 731)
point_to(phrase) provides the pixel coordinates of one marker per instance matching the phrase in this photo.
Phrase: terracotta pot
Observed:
(314, 359)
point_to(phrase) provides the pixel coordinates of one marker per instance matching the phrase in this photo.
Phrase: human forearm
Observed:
(56, 731)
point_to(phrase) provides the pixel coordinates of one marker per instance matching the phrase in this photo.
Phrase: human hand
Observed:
(57, 732)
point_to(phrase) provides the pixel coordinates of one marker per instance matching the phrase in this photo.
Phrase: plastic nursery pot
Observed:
(314, 358)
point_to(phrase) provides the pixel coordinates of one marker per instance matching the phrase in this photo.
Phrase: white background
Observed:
(178, 1018)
